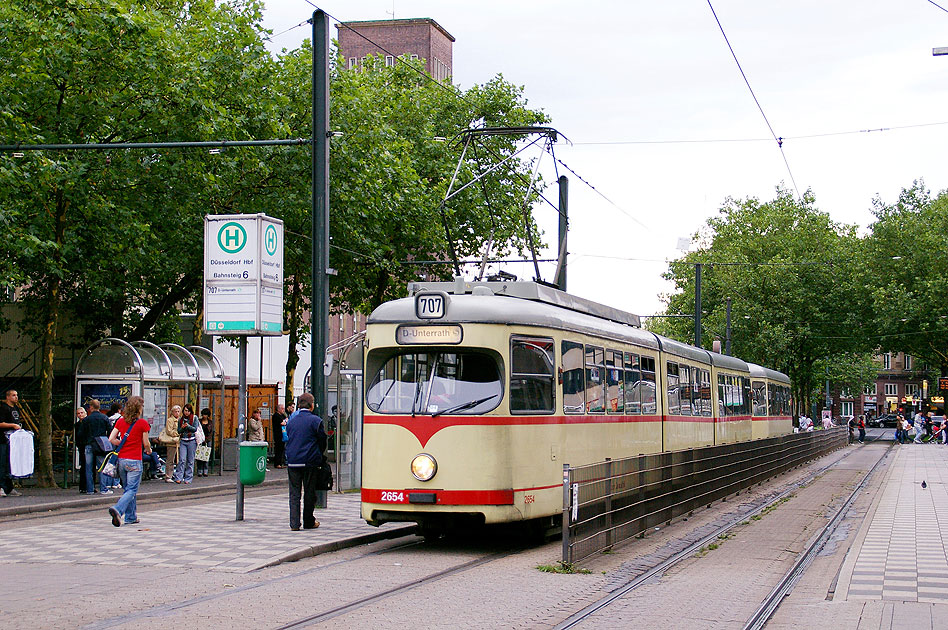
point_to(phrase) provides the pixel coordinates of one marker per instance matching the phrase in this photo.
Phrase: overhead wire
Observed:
(461, 97)
(778, 140)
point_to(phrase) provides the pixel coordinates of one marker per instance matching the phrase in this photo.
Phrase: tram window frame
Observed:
(686, 389)
(521, 380)
(595, 379)
(614, 379)
(672, 388)
(405, 367)
(759, 398)
(722, 396)
(633, 391)
(650, 378)
(574, 377)
(707, 408)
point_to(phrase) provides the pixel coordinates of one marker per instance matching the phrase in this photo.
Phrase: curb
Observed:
(145, 497)
(314, 550)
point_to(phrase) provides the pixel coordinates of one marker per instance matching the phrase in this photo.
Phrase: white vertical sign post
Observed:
(243, 291)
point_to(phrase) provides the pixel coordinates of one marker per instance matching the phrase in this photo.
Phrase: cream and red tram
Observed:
(478, 393)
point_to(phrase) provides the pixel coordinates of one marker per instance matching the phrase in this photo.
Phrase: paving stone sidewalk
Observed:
(165, 537)
(903, 554)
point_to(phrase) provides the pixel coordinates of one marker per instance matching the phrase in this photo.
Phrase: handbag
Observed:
(166, 439)
(199, 435)
(324, 476)
(109, 465)
(202, 453)
(101, 444)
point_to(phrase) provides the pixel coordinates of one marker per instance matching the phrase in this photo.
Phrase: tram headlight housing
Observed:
(424, 467)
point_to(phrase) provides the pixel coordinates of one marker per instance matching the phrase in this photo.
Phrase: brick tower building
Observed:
(418, 38)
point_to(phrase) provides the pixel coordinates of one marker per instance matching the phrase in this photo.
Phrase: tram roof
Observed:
(516, 304)
(765, 372)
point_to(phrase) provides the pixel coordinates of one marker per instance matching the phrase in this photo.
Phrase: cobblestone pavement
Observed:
(902, 556)
(202, 536)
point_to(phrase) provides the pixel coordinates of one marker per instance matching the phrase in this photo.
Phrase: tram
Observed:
(477, 394)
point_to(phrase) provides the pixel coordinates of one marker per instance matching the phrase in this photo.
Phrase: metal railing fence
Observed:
(611, 501)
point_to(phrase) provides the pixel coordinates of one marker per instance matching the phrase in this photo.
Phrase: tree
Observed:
(790, 272)
(96, 224)
(907, 275)
(388, 174)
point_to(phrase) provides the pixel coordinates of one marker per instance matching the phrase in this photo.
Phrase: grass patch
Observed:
(562, 567)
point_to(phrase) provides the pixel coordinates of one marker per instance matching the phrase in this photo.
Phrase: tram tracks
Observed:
(769, 606)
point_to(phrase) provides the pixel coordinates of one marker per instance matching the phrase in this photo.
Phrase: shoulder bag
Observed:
(109, 464)
(101, 444)
(166, 439)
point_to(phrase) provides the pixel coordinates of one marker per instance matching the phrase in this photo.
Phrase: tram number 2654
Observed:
(393, 497)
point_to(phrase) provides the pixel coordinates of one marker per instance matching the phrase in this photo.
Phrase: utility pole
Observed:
(320, 299)
(727, 330)
(697, 305)
(560, 278)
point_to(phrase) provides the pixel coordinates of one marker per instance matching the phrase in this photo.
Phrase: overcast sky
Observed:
(664, 127)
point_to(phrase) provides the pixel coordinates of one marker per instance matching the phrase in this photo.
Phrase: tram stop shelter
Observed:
(112, 370)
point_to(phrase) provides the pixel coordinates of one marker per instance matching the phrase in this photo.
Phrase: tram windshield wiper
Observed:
(463, 406)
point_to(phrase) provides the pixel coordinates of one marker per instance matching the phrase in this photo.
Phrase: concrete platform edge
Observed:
(309, 551)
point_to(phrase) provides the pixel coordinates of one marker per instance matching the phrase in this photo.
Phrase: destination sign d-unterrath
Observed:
(414, 335)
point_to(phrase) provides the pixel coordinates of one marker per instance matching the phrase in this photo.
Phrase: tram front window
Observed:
(436, 383)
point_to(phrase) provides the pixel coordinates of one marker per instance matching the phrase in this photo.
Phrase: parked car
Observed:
(887, 420)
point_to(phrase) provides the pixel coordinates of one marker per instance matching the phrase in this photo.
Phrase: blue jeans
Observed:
(184, 471)
(91, 467)
(130, 472)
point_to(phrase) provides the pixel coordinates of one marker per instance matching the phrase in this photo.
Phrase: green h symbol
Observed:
(232, 237)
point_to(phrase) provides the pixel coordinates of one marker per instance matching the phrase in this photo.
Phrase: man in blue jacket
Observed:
(306, 441)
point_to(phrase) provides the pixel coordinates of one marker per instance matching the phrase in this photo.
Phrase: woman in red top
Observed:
(130, 458)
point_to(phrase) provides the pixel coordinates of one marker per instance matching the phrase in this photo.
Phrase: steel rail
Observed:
(370, 599)
(769, 606)
(674, 559)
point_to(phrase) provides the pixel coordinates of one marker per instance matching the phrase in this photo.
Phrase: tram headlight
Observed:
(424, 467)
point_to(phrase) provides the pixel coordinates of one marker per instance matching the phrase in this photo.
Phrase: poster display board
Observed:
(243, 275)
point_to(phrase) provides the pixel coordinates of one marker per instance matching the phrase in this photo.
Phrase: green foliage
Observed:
(790, 273)
(907, 275)
(562, 567)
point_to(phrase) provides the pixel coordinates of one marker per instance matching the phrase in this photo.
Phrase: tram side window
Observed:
(759, 390)
(706, 393)
(615, 399)
(531, 374)
(595, 386)
(684, 390)
(745, 395)
(633, 385)
(574, 382)
(649, 402)
(673, 392)
(722, 396)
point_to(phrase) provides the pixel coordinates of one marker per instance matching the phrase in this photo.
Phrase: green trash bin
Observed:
(253, 462)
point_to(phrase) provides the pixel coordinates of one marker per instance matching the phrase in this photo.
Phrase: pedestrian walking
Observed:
(919, 425)
(306, 442)
(862, 429)
(130, 434)
(9, 422)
